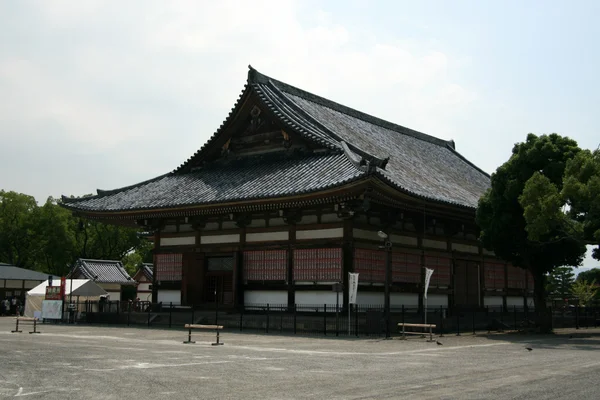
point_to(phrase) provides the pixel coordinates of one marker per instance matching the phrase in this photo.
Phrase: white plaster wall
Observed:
(267, 236)
(229, 225)
(169, 229)
(492, 301)
(406, 299)
(308, 219)
(32, 284)
(364, 234)
(276, 222)
(407, 240)
(178, 241)
(265, 297)
(436, 300)
(220, 239)
(514, 301)
(317, 297)
(325, 218)
(211, 226)
(18, 283)
(320, 233)
(369, 298)
(465, 248)
(168, 296)
(436, 244)
(113, 296)
(143, 287)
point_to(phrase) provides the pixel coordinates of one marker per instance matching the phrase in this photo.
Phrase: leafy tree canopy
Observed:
(590, 275)
(49, 238)
(529, 185)
(581, 192)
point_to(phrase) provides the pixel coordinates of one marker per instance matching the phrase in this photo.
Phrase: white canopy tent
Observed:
(81, 290)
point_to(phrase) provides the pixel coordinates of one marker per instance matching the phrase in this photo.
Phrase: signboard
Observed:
(52, 309)
(352, 287)
(63, 286)
(428, 273)
(53, 293)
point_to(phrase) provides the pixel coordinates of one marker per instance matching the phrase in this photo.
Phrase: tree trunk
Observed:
(542, 312)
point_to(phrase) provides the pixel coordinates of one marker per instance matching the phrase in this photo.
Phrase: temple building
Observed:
(288, 196)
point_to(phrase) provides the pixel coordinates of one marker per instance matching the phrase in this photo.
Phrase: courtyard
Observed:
(91, 362)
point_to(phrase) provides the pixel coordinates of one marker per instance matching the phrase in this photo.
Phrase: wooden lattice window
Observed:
(370, 265)
(530, 282)
(406, 267)
(494, 275)
(318, 265)
(167, 267)
(517, 277)
(265, 265)
(442, 267)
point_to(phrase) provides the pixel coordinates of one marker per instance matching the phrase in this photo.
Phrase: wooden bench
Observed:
(425, 326)
(26, 319)
(189, 327)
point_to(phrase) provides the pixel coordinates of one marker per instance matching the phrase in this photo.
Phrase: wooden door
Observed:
(466, 283)
(218, 282)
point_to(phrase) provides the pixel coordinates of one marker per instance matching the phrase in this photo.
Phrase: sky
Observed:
(104, 94)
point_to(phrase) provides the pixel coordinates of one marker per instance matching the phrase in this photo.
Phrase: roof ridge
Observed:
(255, 76)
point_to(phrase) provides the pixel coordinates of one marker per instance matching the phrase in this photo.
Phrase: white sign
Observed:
(52, 309)
(352, 287)
(428, 273)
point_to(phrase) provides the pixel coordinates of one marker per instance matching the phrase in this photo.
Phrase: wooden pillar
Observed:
(290, 266)
(238, 279)
(348, 259)
(504, 306)
(156, 251)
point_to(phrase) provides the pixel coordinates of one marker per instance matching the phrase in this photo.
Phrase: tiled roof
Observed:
(420, 164)
(148, 270)
(410, 161)
(103, 271)
(11, 272)
(250, 178)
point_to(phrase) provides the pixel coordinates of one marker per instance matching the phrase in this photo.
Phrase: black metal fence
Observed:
(328, 320)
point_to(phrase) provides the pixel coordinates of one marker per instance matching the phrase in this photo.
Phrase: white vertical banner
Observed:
(428, 273)
(352, 290)
(352, 287)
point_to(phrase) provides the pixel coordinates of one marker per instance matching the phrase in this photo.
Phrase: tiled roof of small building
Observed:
(103, 271)
(148, 270)
(11, 272)
(412, 162)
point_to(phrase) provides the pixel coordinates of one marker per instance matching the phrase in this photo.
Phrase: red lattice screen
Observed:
(265, 265)
(494, 275)
(370, 265)
(167, 267)
(516, 277)
(406, 267)
(442, 267)
(318, 265)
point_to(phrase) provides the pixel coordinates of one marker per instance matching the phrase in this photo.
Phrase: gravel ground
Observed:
(91, 362)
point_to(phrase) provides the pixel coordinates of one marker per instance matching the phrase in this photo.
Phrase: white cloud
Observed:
(146, 83)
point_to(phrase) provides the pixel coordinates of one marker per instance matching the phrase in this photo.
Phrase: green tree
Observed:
(582, 194)
(17, 221)
(560, 282)
(590, 275)
(524, 185)
(585, 291)
(141, 254)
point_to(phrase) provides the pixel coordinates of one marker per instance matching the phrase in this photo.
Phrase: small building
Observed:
(15, 281)
(109, 275)
(143, 277)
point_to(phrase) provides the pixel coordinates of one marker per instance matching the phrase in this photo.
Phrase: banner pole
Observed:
(349, 307)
